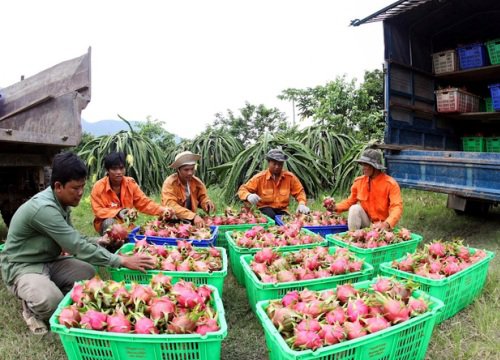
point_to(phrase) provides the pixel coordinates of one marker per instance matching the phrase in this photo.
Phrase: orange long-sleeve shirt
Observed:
(106, 204)
(379, 197)
(274, 193)
(173, 195)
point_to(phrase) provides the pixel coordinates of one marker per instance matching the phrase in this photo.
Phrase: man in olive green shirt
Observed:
(31, 263)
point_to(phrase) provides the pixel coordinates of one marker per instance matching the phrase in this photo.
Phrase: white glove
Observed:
(123, 213)
(302, 209)
(253, 199)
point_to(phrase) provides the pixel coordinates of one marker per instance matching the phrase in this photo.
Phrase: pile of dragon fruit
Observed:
(184, 257)
(274, 267)
(274, 236)
(157, 308)
(312, 319)
(163, 229)
(315, 218)
(232, 217)
(439, 260)
(374, 237)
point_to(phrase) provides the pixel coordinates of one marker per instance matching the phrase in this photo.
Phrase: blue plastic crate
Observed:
(495, 96)
(320, 230)
(472, 56)
(133, 236)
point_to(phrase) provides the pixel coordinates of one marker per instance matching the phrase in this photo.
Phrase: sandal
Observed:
(35, 325)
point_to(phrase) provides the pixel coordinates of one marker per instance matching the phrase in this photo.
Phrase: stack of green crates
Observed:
(493, 144)
(215, 278)
(456, 291)
(223, 229)
(408, 340)
(493, 47)
(474, 144)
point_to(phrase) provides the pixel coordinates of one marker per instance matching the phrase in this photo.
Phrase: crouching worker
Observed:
(117, 197)
(270, 190)
(375, 197)
(32, 265)
(184, 192)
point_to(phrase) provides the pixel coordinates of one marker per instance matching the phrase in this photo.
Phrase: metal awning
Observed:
(394, 9)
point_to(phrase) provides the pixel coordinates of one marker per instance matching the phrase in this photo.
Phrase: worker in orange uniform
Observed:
(185, 193)
(375, 196)
(270, 190)
(116, 197)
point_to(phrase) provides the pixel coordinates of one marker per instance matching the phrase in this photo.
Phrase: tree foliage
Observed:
(145, 159)
(251, 122)
(216, 147)
(342, 106)
(154, 129)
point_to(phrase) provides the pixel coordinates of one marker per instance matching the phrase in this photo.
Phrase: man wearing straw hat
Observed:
(375, 196)
(184, 192)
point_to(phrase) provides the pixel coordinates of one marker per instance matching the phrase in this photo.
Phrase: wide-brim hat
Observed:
(185, 158)
(373, 158)
(276, 155)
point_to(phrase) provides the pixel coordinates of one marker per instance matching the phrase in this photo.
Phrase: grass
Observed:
(471, 334)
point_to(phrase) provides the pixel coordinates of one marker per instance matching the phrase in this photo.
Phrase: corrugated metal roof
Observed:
(394, 9)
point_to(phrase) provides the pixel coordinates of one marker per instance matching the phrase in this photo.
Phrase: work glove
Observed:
(123, 213)
(253, 199)
(302, 209)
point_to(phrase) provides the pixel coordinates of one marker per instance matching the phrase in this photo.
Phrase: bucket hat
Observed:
(371, 157)
(276, 155)
(185, 158)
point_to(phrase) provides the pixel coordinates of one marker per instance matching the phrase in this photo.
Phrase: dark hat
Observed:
(276, 155)
(373, 158)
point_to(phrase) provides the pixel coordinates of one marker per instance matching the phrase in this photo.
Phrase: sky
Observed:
(184, 61)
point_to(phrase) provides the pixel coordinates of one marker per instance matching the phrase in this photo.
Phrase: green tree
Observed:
(343, 107)
(86, 137)
(251, 122)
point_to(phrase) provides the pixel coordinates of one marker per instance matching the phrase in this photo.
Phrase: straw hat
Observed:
(185, 158)
(373, 158)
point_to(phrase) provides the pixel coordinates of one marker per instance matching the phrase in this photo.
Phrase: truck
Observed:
(39, 117)
(424, 140)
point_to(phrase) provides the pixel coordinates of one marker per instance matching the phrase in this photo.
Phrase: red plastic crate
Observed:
(454, 100)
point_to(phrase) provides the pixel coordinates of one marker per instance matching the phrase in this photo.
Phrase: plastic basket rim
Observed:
(386, 266)
(436, 305)
(177, 274)
(228, 227)
(314, 227)
(133, 236)
(240, 249)
(331, 237)
(258, 284)
(150, 338)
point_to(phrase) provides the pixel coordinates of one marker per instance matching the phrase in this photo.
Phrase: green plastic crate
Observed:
(83, 344)
(488, 104)
(1, 247)
(493, 47)
(223, 229)
(474, 144)
(258, 290)
(216, 278)
(456, 291)
(235, 252)
(404, 341)
(379, 255)
(493, 144)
